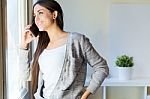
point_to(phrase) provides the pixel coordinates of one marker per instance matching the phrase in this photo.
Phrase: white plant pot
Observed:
(125, 73)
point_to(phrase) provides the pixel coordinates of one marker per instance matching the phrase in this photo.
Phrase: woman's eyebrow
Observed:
(40, 10)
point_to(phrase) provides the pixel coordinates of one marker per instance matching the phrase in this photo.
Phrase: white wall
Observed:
(130, 34)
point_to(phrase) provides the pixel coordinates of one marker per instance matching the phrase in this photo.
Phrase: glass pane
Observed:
(13, 44)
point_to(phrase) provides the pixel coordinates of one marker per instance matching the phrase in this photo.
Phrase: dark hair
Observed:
(43, 41)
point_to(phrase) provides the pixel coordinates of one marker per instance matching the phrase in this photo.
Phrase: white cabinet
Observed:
(135, 82)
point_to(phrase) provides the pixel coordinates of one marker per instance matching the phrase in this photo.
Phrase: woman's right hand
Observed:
(27, 37)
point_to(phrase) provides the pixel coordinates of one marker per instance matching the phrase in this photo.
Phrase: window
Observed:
(13, 43)
(17, 19)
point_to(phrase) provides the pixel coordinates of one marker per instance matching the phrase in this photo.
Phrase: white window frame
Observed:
(24, 7)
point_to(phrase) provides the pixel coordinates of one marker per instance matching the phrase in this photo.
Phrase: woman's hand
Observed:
(27, 37)
(85, 95)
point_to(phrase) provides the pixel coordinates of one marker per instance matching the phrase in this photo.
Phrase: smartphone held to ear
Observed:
(34, 29)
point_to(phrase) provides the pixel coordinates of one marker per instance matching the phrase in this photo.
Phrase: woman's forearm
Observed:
(86, 94)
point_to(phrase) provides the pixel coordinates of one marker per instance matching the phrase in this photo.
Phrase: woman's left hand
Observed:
(85, 95)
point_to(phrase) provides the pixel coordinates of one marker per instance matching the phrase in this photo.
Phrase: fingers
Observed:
(28, 27)
(27, 35)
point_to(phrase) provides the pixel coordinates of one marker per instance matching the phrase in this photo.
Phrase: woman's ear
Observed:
(55, 13)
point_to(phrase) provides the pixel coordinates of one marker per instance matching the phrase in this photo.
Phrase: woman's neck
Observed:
(54, 33)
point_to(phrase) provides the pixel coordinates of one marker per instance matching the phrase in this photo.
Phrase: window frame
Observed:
(24, 20)
(3, 59)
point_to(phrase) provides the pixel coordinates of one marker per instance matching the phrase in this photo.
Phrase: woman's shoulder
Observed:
(77, 35)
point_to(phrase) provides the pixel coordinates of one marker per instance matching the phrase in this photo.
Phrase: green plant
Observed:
(124, 61)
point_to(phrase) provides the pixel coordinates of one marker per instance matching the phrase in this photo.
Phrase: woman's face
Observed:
(43, 18)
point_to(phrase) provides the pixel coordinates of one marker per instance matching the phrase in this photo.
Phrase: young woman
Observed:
(58, 70)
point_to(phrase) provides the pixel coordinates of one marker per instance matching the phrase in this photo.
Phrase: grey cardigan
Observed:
(70, 85)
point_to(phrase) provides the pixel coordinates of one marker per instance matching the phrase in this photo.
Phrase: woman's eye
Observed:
(40, 12)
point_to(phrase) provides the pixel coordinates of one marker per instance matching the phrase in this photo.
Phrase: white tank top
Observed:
(51, 63)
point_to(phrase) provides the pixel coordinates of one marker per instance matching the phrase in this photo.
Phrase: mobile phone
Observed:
(34, 29)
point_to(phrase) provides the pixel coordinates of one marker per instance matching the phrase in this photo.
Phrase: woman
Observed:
(60, 61)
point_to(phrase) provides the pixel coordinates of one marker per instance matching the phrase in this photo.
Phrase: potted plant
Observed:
(125, 64)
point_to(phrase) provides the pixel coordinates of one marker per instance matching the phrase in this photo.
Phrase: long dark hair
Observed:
(44, 39)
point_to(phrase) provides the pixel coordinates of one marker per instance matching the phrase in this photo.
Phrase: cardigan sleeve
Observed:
(97, 62)
(25, 73)
(24, 65)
